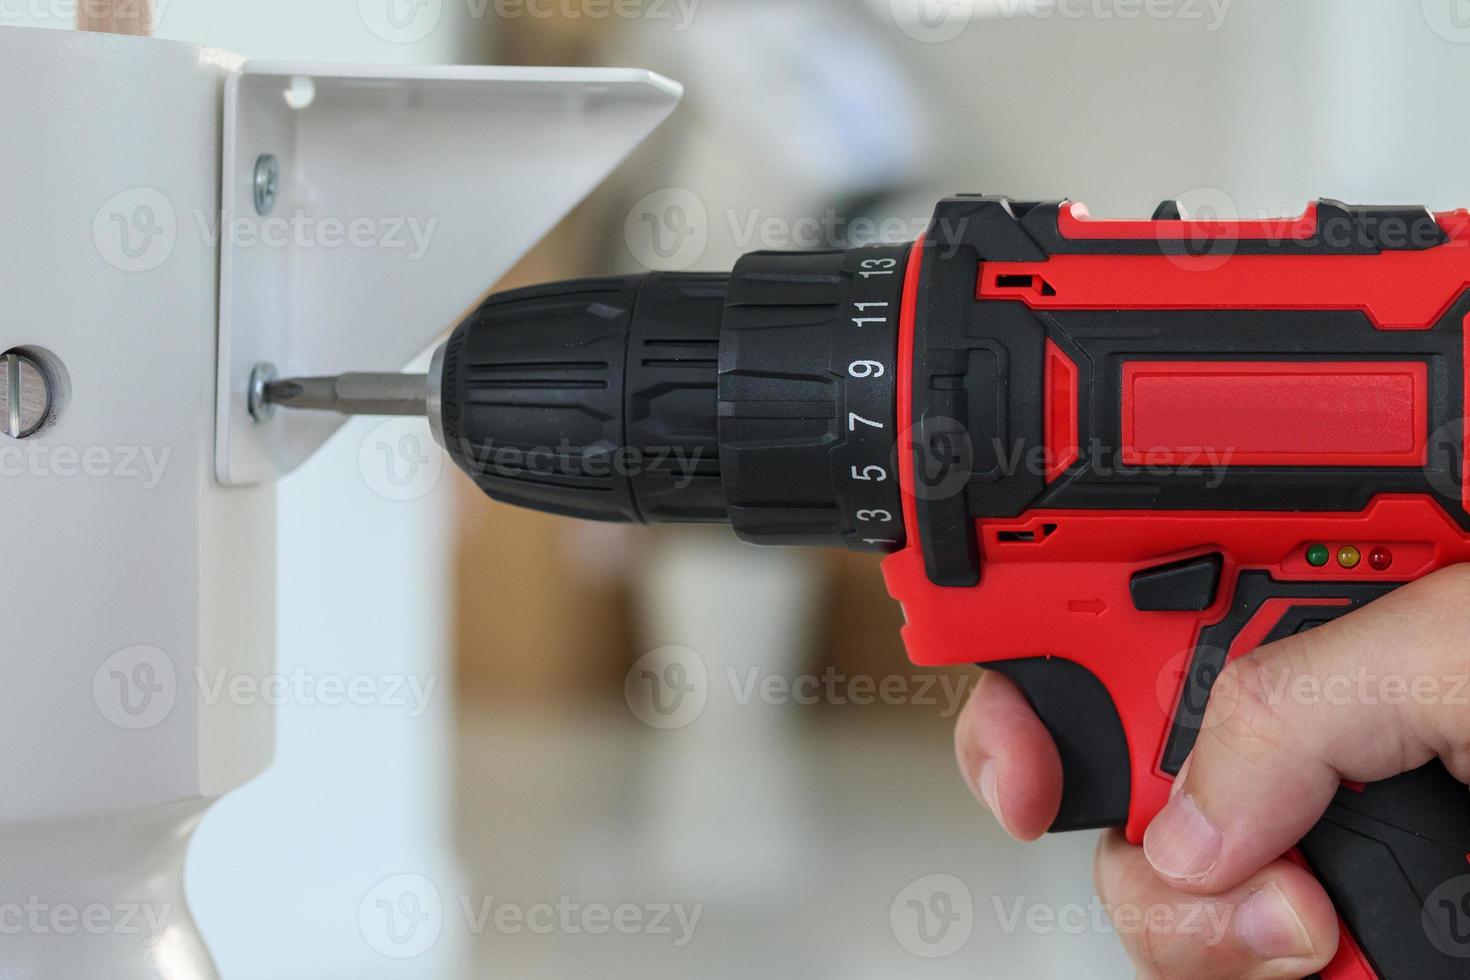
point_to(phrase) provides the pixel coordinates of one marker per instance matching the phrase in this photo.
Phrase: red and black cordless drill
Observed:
(1105, 457)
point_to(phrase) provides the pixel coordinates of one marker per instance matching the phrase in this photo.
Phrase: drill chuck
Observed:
(764, 398)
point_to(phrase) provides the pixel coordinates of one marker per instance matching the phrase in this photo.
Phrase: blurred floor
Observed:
(556, 806)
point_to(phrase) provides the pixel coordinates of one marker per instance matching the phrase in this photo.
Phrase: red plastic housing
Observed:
(1063, 590)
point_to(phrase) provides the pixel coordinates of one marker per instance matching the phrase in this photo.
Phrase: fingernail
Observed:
(1271, 928)
(989, 783)
(1181, 843)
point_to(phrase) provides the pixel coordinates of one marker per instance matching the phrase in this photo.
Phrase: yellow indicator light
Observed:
(1349, 557)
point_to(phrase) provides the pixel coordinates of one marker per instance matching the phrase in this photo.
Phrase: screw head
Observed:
(260, 408)
(267, 183)
(25, 395)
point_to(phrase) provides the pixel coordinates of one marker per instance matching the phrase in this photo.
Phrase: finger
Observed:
(1278, 923)
(1368, 696)
(1008, 758)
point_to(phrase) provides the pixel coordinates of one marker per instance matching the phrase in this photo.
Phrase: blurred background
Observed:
(794, 810)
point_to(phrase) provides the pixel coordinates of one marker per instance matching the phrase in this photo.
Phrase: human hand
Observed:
(1264, 769)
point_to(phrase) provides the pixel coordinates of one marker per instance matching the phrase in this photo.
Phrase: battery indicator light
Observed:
(1317, 555)
(1349, 557)
(1380, 559)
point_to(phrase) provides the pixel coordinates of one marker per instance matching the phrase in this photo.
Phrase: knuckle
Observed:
(1245, 710)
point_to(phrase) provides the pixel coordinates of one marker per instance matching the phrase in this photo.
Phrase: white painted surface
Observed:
(404, 193)
(129, 571)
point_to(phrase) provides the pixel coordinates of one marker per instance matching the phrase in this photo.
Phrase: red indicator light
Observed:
(1380, 559)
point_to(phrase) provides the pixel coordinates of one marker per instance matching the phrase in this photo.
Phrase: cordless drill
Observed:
(1103, 458)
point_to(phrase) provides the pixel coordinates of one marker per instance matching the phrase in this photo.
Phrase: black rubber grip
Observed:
(1394, 855)
(1395, 858)
(1078, 711)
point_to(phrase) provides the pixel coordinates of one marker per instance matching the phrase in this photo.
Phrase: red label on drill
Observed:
(1275, 413)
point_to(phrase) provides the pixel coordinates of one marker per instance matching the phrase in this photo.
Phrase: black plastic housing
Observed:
(765, 398)
(593, 398)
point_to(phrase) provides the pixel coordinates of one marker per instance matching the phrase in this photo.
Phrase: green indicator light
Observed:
(1318, 555)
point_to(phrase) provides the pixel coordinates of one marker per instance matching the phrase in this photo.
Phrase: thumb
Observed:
(1376, 693)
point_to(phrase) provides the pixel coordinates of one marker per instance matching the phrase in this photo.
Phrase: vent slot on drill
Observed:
(1026, 537)
(1014, 281)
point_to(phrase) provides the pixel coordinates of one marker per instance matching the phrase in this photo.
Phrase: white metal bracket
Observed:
(401, 195)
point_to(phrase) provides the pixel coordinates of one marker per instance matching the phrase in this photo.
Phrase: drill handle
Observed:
(1393, 856)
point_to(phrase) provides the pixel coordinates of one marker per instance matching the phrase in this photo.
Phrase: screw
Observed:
(262, 375)
(267, 183)
(25, 395)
